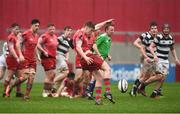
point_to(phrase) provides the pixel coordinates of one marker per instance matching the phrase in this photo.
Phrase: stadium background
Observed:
(132, 17)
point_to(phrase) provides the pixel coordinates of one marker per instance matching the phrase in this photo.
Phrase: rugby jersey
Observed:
(64, 44)
(147, 39)
(163, 45)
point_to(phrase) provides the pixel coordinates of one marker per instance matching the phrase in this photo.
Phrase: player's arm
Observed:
(37, 53)
(109, 57)
(67, 56)
(152, 48)
(96, 49)
(137, 43)
(174, 54)
(100, 25)
(12, 51)
(61, 87)
(18, 47)
(81, 53)
(39, 46)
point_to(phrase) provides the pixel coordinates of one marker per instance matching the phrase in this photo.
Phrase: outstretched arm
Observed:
(137, 43)
(100, 25)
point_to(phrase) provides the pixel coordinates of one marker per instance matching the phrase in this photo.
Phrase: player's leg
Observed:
(23, 76)
(78, 78)
(2, 72)
(90, 88)
(98, 87)
(162, 69)
(31, 76)
(7, 81)
(62, 71)
(49, 65)
(106, 72)
(2, 66)
(18, 87)
(136, 84)
(48, 83)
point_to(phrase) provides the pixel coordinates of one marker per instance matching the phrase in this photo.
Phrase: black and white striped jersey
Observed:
(63, 45)
(147, 39)
(163, 45)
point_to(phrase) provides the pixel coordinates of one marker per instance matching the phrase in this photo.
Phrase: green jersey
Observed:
(103, 43)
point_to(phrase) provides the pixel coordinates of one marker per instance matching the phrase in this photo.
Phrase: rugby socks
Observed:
(107, 85)
(98, 93)
(28, 88)
(18, 88)
(91, 86)
(48, 86)
(136, 85)
(6, 83)
(137, 82)
(84, 86)
(18, 82)
(154, 94)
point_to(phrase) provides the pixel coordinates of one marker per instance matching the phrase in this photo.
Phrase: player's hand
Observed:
(19, 35)
(88, 60)
(45, 53)
(177, 62)
(110, 20)
(147, 59)
(17, 59)
(109, 58)
(38, 61)
(21, 58)
(155, 58)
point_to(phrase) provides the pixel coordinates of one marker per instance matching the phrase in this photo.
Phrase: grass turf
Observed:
(169, 103)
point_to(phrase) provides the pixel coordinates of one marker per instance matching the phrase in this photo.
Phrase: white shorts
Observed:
(148, 67)
(162, 66)
(2, 61)
(61, 63)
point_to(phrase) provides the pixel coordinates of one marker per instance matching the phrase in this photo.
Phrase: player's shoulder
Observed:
(78, 33)
(170, 36)
(104, 35)
(26, 33)
(11, 36)
(43, 36)
(159, 36)
(145, 34)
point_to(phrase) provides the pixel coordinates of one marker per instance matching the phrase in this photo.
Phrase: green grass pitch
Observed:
(169, 103)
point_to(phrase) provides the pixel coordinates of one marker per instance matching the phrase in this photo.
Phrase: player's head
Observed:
(68, 31)
(109, 29)
(15, 28)
(35, 25)
(153, 28)
(51, 28)
(166, 29)
(89, 27)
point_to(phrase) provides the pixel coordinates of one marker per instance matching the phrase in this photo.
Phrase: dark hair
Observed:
(15, 25)
(89, 24)
(107, 25)
(166, 25)
(153, 23)
(50, 25)
(67, 28)
(35, 21)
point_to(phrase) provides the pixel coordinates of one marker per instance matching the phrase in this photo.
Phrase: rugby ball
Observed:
(123, 85)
